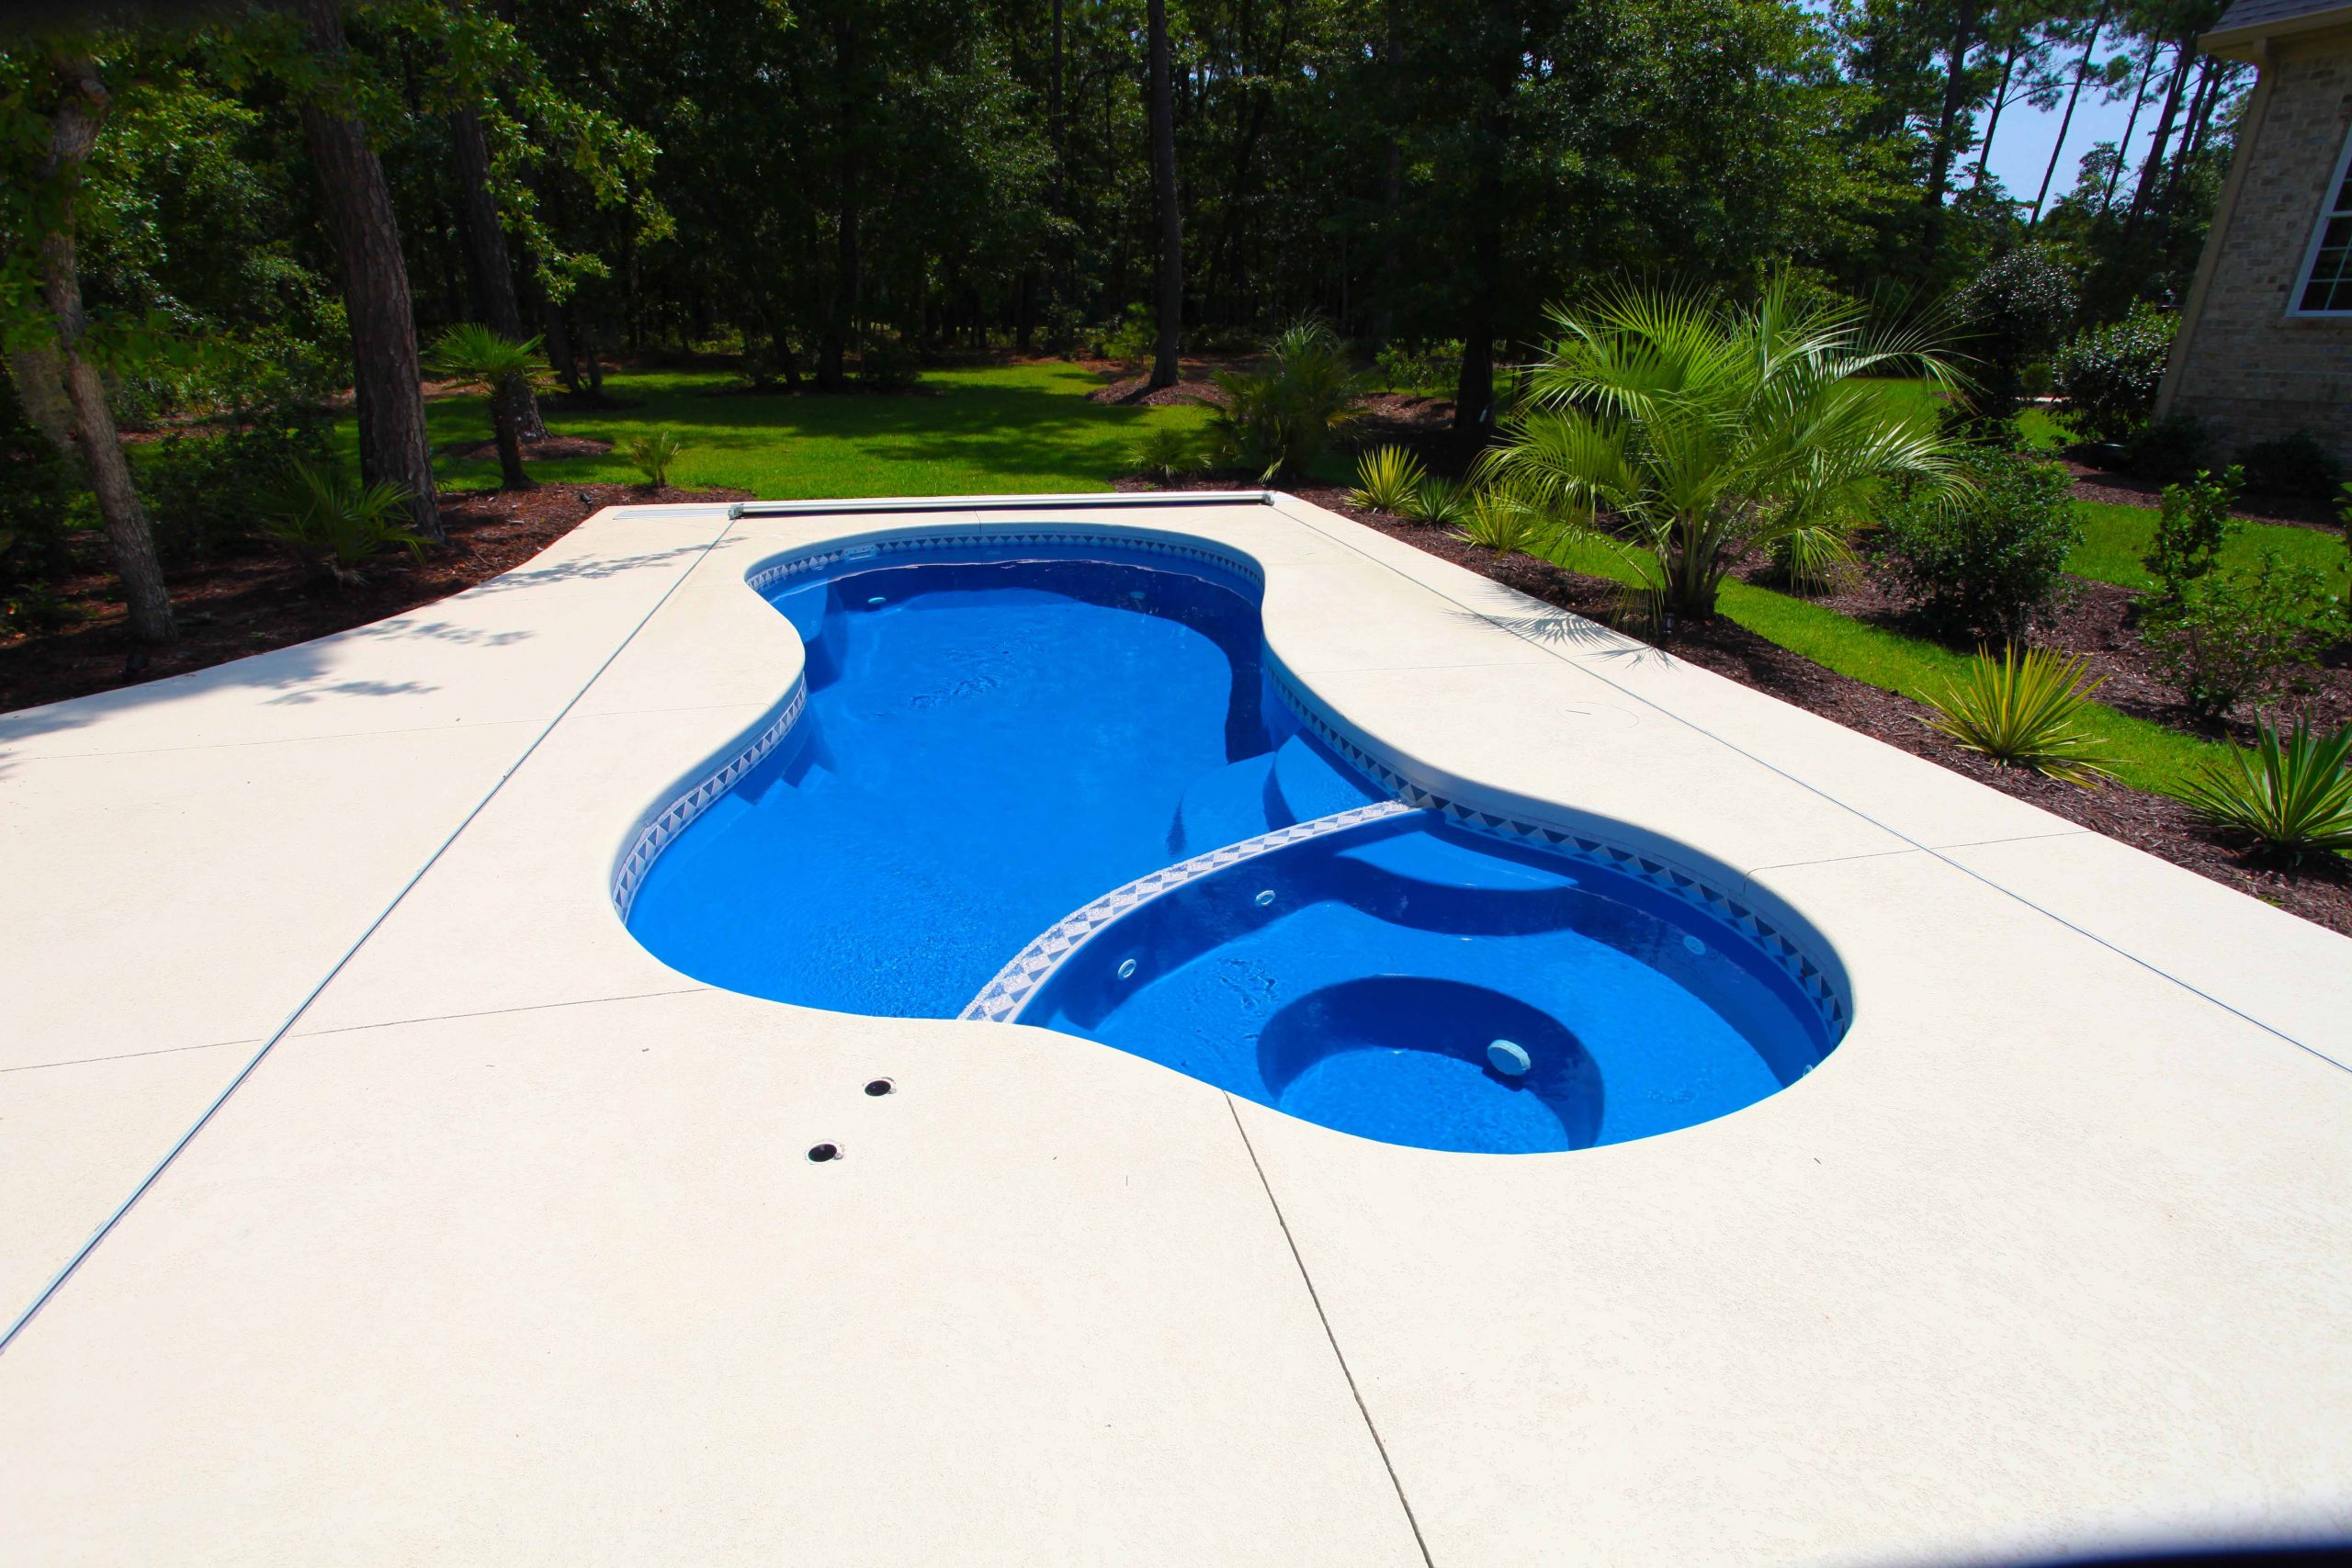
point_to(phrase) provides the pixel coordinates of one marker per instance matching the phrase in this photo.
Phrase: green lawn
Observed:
(2146, 756)
(1007, 428)
(2116, 538)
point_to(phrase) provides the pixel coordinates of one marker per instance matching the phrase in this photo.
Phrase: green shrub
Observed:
(1429, 369)
(2294, 798)
(338, 523)
(655, 453)
(2228, 636)
(2294, 464)
(33, 609)
(1502, 523)
(2193, 523)
(1134, 339)
(37, 492)
(1280, 419)
(1441, 503)
(1386, 478)
(2107, 378)
(1987, 560)
(889, 363)
(2025, 711)
(2014, 312)
(1164, 452)
(2170, 449)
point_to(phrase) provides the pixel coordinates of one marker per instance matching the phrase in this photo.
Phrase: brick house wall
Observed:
(2244, 365)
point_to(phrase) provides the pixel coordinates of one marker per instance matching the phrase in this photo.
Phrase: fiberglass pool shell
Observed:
(997, 731)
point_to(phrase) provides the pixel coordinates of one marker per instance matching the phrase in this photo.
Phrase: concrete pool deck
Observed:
(505, 1248)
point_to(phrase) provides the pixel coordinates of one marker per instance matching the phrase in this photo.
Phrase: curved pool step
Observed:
(1225, 807)
(1309, 781)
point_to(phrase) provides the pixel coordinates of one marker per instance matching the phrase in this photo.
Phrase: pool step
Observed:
(1223, 807)
(1309, 781)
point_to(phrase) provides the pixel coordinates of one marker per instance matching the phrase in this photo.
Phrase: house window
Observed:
(2327, 274)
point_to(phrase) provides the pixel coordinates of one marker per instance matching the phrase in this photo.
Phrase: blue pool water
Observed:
(997, 735)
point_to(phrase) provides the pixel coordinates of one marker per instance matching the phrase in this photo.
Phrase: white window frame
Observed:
(2327, 210)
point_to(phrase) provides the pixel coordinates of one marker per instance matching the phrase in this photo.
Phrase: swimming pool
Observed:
(998, 731)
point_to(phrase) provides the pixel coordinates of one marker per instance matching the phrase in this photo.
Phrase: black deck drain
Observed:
(879, 1088)
(824, 1151)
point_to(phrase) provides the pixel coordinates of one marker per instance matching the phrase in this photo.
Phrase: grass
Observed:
(2116, 536)
(2146, 755)
(999, 429)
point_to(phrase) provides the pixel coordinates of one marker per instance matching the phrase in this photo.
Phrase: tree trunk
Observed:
(1946, 147)
(2066, 120)
(507, 401)
(1993, 120)
(1474, 392)
(840, 317)
(358, 208)
(2147, 181)
(1165, 368)
(2130, 124)
(2192, 133)
(487, 268)
(559, 354)
(82, 105)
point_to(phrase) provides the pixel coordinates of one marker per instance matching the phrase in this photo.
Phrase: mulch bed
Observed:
(2319, 890)
(2094, 483)
(553, 447)
(254, 597)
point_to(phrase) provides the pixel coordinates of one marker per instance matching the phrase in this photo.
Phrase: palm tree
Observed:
(502, 366)
(1691, 431)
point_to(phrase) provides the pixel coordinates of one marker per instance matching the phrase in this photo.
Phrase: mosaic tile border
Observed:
(1819, 986)
(657, 835)
(1005, 994)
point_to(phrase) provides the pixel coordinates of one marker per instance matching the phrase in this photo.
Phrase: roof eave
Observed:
(2250, 43)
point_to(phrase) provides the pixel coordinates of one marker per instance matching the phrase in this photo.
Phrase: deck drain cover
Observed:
(824, 1151)
(879, 1088)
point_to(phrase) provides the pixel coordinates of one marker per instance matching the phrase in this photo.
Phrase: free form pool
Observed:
(997, 733)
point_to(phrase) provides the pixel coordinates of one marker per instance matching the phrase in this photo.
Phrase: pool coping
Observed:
(2070, 1270)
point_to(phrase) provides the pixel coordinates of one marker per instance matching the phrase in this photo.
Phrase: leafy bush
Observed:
(1134, 339)
(2170, 449)
(2026, 711)
(35, 608)
(1441, 503)
(1165, 451)
(1281, 418)
(2295, 798)
(2226, 636)
(337, 522)
(2294, 464)
(1502, 522)
(1987, 560)
(2193, 523)
(2015, 310)
(1431, 370)
(889, 363)
(36, 501)
(2106, 378)
(654, 454)
(1386, 478)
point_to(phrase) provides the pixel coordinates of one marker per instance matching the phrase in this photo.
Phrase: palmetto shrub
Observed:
(655, 453)
(1692, 431)
(1280, 419)
(502, 366)
(2292, 796)
(2025, 710)
(1386, 478)
(1165, 451)
(337, 522)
